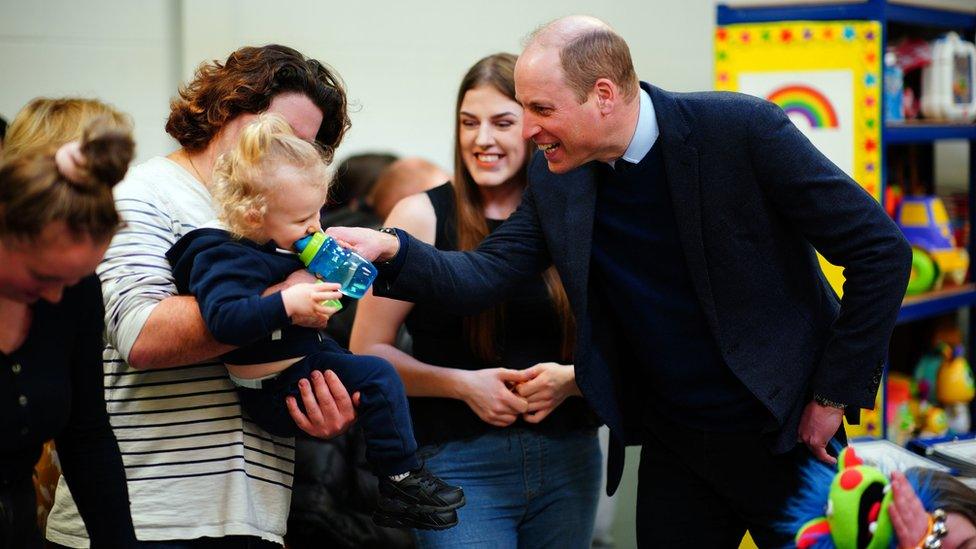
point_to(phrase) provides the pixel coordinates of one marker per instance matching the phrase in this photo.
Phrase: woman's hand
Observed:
(547, 387)
(908, 517)
(488, 394)
(329, 412)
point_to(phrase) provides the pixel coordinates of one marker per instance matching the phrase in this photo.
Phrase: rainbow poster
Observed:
(826, 75)
(819, 102)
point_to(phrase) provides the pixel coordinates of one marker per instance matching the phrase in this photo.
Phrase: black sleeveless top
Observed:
(528, 335)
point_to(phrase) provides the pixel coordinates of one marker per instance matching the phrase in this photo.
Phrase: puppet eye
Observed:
(850, 479)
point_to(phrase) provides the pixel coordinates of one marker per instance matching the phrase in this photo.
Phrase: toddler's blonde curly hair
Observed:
(246, 175)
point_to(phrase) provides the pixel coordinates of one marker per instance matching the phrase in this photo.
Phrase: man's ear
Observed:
(607, 94)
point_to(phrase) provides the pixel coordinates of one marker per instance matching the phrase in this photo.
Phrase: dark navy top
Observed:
(529, 334)
(52, 386)
(640, 269)
(227, 275)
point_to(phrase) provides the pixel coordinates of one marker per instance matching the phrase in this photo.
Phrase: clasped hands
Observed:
(499, 396)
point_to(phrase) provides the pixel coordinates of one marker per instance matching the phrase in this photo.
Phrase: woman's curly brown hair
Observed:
(246, 83)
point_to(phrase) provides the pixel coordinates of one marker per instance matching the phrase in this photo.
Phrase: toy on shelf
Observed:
(935, 257)
(947, 83)
(927, 371)
(955, 390)
(935, 423)
(902, 409)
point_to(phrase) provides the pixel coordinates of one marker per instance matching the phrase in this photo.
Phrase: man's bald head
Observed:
(588, 49)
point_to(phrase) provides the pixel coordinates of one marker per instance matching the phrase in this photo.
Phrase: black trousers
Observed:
(705, 489)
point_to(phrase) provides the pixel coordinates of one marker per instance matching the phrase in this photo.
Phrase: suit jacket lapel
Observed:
(681, 166)
(578, 228)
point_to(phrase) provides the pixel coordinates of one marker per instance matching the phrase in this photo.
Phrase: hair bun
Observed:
(107, 148)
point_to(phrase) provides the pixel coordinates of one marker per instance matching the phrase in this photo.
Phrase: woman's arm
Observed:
(87, 448)
(378, 320)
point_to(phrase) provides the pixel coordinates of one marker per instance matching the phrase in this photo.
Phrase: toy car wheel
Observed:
(923, 273)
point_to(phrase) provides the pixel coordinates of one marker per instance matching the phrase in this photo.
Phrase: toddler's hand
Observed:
(306, 301)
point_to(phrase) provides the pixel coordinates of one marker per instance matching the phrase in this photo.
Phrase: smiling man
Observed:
(684, 227)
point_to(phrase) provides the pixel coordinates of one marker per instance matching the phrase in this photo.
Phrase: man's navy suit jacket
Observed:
(753, 199)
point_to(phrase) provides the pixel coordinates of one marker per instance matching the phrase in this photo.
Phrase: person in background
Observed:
(45, 123)
(3, 132)
(685, 228)
(57, 217)
(353, 180)
(200, 474)
(494, 399)
(401, 179)
(53, 121)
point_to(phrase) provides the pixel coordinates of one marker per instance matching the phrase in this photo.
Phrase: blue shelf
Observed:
(936, 303)
(831, 12)
(923, 133)
(870, 10)
(928, 17)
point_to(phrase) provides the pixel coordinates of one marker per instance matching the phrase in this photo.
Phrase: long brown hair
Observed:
(497, 71)
(246, 83)
(34, 192)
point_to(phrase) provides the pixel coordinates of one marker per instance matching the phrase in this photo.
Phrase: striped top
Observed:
(194, 465)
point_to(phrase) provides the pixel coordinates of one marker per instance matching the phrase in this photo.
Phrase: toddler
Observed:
(269, 189)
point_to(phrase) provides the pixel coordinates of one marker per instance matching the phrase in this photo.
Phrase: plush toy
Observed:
(856, 514)
(955, 390)
(845, 508)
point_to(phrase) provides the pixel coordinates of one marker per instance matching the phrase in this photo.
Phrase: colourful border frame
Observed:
(812, 45)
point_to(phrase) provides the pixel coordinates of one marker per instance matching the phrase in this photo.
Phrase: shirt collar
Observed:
(645, 134)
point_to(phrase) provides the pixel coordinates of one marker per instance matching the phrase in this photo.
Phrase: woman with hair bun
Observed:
(57, 216)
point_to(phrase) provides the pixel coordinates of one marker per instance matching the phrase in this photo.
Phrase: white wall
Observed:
(401, 61)
(118, 51)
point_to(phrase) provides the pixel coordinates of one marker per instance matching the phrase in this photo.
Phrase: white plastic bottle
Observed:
(948, 82)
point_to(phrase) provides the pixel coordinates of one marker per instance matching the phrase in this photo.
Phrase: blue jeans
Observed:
(523, 489)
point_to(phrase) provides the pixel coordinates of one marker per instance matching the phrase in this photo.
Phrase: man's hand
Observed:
(373, 245)
(817, 426)
(329, 412)
(549, 385)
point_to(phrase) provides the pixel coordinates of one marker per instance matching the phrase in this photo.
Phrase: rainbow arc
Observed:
(806, 102)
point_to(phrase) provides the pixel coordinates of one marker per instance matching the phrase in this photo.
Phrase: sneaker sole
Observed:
(390, 505)
(422, 521)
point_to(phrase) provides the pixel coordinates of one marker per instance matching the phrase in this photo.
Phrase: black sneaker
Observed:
(421, 500)
(397, 515)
